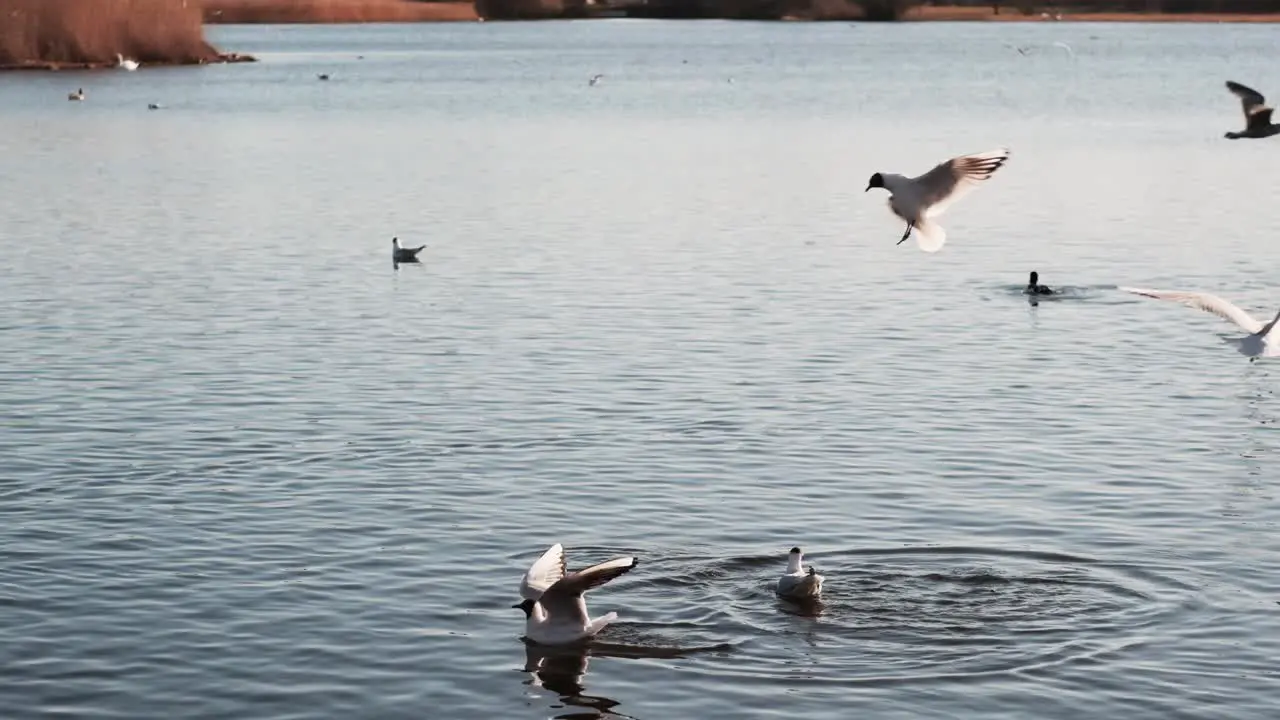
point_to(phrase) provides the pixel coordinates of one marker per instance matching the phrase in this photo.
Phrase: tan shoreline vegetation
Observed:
(336, 11)
(64, 34)
(70, 34)
(363, 11)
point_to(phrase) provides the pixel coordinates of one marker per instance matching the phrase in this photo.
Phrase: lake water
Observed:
(252, 470)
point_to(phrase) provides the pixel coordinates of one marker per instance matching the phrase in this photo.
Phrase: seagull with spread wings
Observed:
(554, 608)
(1257, 115)
(1263, 338)
(919, 199)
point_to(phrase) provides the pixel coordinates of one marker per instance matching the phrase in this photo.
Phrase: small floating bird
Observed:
(595, 79)
(796, 583)
(129, 65)
(404, 255)
(77, 96)
(153, 106)
(323, 76)
(1262, 339)
(1035, 288)
(1257, 116)
(554, 608)
(918, 199)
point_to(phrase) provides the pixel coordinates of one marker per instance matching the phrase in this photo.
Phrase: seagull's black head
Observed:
(1035, 278)
(795, 549)
(526, 606)
(876, 181)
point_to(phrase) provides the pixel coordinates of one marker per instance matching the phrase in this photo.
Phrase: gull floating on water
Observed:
(1257, 116)
(595, 79)
(919, 199)
(796, 583)
(77, 96)
(404, 255)
(554, 608)
(1035, 288)
(121, 62)
(323, 76)
(1262, 339)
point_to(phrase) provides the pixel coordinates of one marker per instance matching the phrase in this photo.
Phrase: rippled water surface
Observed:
(252, 470)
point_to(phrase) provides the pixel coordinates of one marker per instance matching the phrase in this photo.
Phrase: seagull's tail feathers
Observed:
(801, 588)
(930, 236)
(601, 622)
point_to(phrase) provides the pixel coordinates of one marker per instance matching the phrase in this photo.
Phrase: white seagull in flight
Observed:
(917, 200)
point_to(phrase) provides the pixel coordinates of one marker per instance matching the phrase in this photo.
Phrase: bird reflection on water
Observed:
(562, 669)
(802, 607)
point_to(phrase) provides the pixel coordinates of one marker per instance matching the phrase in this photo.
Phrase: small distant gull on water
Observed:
(1262, 340)
(153, 106)
(554, 608)
(404, 255)
(77, 96)
(1035, 288)
(595, 79)
(129, 65)
(1257, 115)
(323, 76)
(797, 583)
(917, 200)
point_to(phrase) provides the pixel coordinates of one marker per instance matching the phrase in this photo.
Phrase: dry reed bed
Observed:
(335, 11)
(55, 34)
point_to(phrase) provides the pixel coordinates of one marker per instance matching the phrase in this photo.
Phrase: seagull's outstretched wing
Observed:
(953, 179)
(1256, 112)
(1206, 302)
(544, 573)
(564, 598)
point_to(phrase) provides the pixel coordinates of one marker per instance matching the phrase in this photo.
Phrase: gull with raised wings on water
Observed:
(919, 199)
(404, 254)
(1257, 116)
(796, 583)
(554, 608)
(1262, 340)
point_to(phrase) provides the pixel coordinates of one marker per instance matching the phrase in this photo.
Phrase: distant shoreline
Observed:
(947, 13)
(289, 12)
(305, 12)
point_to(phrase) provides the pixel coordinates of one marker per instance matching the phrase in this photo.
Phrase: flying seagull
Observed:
(554, 608)
(1262, 340)
(1257, 116)
(917, 200)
